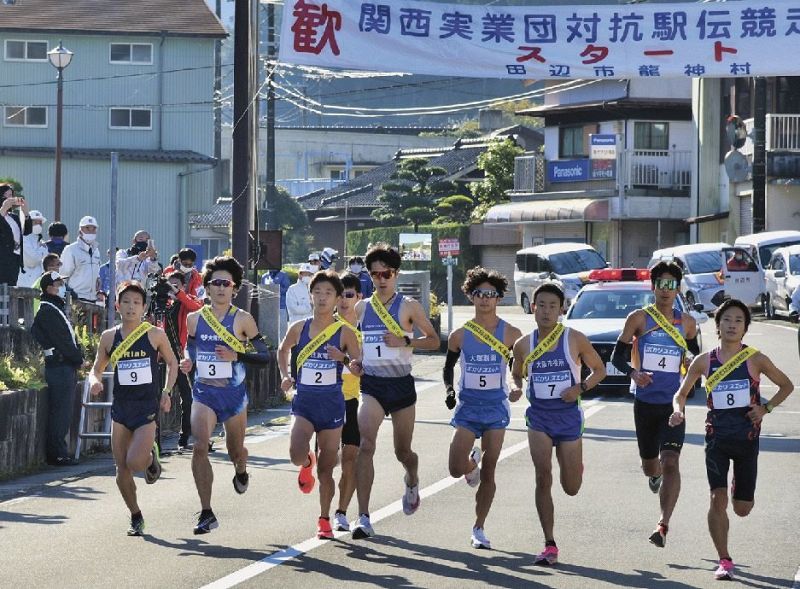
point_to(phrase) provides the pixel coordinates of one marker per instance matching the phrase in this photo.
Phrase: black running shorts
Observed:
(653, 432)
(350, 434)
(744, 454)
(393, 393)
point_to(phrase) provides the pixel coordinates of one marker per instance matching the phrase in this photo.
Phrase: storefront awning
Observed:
(573, 209)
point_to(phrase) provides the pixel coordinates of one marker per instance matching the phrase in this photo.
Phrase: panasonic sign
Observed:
(568, 171)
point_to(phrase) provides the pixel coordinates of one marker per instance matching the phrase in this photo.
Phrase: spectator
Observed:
(34, 251)
(105, 273)
(738, 263)
(58, 237)
(280, 278)
(62, 357)
(180, 304)
(138, 261)
(356, 266)
(328, 256)
(314, 260)
(50, 263)
(80, 262)
(12, 231)
(298, 299)
(184, 263)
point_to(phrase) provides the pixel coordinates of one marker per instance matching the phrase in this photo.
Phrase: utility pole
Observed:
(269, 172)
(243, 186)
(218, 109)
(759, 154)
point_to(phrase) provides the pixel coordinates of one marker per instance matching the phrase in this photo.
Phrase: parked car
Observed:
(761, 246)
(567, 264)
(782, 281)
(702, 282)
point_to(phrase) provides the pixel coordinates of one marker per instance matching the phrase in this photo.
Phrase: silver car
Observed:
(782, 277)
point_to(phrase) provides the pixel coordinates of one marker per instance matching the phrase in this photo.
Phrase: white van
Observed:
(563, 263)
(760, 247)
(702, 282)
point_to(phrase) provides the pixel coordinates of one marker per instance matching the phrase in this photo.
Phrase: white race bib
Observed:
(731, 394)
(375, 349)
(318, 373)
(134, 371)
(209, 367)
(481, 380)
(550, 385)
(659, 358)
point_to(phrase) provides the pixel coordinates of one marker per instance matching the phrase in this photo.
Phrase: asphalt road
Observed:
(70, 532)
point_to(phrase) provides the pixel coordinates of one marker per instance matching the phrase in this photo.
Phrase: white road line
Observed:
(796, 584)
(277, 558)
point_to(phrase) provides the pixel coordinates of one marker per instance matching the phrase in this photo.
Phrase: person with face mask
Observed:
(80, 262)
(58, 238)
(298, 298)
(13, 227)
(33, 251)
(193, 282)
(356, 266)
(138, 261)
(62, 358)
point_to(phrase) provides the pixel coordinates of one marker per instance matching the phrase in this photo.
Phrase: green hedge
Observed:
(357, 241)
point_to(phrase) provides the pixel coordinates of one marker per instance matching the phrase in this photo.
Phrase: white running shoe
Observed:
(411, 499)
(473, 478)
(363, 528)
(340, 523)
(479, 539)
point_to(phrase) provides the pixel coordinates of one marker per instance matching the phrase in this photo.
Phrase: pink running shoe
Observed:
(548, 557)
(724, 571)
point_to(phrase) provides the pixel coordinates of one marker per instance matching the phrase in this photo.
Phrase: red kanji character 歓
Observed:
(534, 53)
(310, 17)
(719, 49)
(595, 52)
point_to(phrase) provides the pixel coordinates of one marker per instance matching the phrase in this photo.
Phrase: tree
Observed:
(454, 209)
(497, 163)
(14, 184)
(411, 194)
(287, 214)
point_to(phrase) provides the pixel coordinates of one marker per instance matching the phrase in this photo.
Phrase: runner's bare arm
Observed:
(350, 345)
(521, 350)
(766, 367)
(285, 352)
(248, 328)
(690, 329)
(101, 360)
(162, 346)
(430, 339)
(591, 359)
(696, 369)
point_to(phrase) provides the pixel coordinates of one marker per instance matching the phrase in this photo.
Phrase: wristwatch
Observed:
(167, 392)
(408, 340)
(768, 406)
(583, 386)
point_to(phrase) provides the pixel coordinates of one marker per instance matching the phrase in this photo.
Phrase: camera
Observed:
(160, 290)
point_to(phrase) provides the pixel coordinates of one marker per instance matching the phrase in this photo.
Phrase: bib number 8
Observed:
(730, 399)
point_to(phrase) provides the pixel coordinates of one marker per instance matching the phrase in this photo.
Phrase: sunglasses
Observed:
(349, 295)
(666, 283)
(223, 282)
(485, 294)
(387, 274)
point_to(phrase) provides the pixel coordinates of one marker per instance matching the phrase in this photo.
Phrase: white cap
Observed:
(37, 216)
(314, 256)
(329, 251)
(87, 220)
(307, 268)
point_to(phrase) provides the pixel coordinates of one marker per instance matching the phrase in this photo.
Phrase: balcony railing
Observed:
(783, 132)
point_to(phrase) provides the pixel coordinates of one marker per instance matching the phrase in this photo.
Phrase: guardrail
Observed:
(16, 305)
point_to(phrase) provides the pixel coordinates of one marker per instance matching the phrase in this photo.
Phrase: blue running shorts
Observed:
(225, 402)
(481, 418)
(563, 425)
(323, 410)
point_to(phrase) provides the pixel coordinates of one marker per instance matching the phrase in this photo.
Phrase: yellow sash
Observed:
(132, 338)
(315, 343)
(351, 327)
(729, 366)
(664, 324)
(384, 316)
(543, 346)
(226, 336)
(488, 339)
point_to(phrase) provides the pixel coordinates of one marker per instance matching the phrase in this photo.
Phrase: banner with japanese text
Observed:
(743, 38)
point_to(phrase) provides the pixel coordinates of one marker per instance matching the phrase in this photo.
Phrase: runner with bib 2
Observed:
(651, 349)
(551, 357)
(733, 424)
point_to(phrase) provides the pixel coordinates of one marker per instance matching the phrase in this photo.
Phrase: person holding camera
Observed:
(136, 262)
(179, 305)
(12, 229)
(62, 358)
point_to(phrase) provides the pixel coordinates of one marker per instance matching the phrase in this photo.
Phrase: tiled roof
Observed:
(220, 215)
(175, 17)
(137, 155)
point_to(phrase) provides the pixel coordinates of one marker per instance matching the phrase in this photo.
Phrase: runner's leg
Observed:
(300, 440)
(370, 417)
(570, 464)
(140, 448)
(403, 426)
(120, 441)
(670, 485)
(541, 447)
(328, 441)
(491, 445)
(347, 482)
(718, 523)
(203, 422)
(235, 429)
(461, 445)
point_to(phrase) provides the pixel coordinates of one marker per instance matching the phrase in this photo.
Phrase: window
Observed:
(25, 116)
(131, 53)
(571, 142)
(26, 50)
(212, 247)
(130, 118)
(651, 136)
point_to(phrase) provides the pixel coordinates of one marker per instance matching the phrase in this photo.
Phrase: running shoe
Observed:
(341, 523)
(306, 480)
(411, 499)
(324, 531)
(241, 480)
(363, 528)
(548, 557)
(479, 539)
(137, 525)
(659, 536)
(153, 472)
(655, 483)
(206, 522)
(724, 571)
(473, 477)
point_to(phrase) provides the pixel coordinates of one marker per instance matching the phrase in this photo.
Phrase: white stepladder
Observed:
(86, 404)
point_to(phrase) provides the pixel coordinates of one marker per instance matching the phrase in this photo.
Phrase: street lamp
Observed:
(60, 58)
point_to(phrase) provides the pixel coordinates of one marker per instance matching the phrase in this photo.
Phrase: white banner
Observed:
(744, 38)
